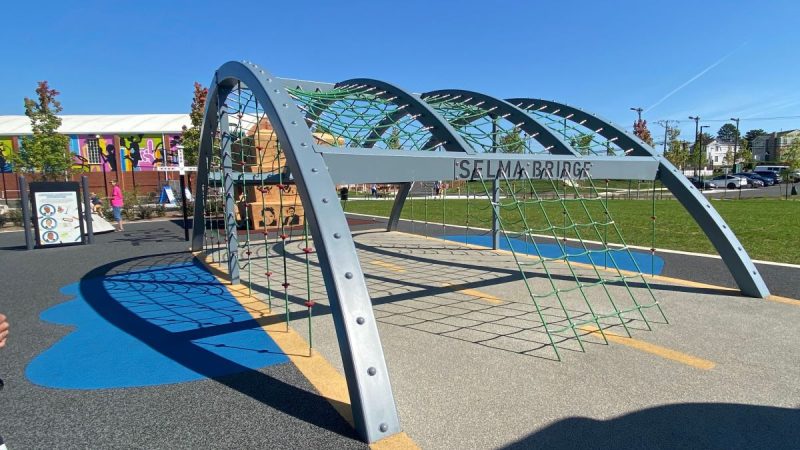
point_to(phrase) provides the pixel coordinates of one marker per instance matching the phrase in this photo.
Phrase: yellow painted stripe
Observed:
(328, 382)
(785, 300)
(397, 441)
(473, 293)
(654, 349)
(388, 265)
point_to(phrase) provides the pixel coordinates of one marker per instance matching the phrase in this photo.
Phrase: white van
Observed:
(776, 169)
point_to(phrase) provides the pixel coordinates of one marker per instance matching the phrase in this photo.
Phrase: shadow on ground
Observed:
(690, 425)
(179, 345)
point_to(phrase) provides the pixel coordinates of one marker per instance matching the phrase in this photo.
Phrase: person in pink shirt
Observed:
(116, 204)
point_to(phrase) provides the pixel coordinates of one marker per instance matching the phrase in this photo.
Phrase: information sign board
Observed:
(57, 213)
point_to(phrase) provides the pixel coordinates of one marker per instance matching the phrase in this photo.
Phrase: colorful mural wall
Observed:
(6, 147)
(140, 152)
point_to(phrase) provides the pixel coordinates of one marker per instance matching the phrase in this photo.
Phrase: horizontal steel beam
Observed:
(366, 165)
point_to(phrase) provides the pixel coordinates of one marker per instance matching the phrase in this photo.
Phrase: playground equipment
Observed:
(274, 150)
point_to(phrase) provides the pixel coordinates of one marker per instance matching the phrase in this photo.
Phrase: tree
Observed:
(582, 143)
(191, 136)
(394, 139)
(511, 142)
(640, 130)
(727, 133)
(745, 155)
(752, 134)
(46, 151)
(791, 155)
(676, 152)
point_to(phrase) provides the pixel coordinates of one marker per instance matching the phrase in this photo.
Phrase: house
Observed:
(716, 151)
(768, 147)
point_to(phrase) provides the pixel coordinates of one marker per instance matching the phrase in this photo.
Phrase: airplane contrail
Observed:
(690, 80)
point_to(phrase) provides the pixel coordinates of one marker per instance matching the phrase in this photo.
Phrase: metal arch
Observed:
(630, 143)
(374, 410)
(450, 139)
(734, 255)
(526, 123)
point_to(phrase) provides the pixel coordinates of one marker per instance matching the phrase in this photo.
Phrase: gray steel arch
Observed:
(741, 267)
(526, 123)
(372, 401)
(440, 129)
(450, 139)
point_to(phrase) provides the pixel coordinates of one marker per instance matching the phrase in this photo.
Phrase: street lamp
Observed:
(735, 143)
(638, 112)
(696, 139)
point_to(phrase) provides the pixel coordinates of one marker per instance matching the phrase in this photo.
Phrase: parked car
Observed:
(702, 184)
(753, 179)
(730, 181)
(769, 174)
(766, 180)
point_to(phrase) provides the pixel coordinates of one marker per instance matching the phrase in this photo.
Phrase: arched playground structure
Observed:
(274, 150)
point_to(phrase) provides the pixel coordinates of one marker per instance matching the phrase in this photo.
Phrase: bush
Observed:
(130, 206)
(14, 217)
(160, 211)
(146, 212)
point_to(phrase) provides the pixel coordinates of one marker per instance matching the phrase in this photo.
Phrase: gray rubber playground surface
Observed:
(273, 407)
(469, 365)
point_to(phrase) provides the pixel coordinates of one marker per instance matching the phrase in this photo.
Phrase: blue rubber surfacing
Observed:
(646, 262)
(161, 325)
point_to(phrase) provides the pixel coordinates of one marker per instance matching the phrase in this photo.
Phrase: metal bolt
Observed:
(294, 122)
(336, 235)
(348, 275)
(360, 320)
(371, 371)
(303, 144)
(324, 200)
(314, 169)
(384, 428)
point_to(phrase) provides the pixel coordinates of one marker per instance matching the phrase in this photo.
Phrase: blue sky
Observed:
(116, 57)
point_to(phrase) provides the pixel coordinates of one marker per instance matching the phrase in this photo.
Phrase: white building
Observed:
(716, 151)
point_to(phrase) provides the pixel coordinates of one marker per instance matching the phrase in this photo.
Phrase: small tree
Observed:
(677, 153)
(394, 139)
(191, 136)
(745, 155)
(640, 130)
(46, 151)
(582, 143)
(790, 156)
(511, 142)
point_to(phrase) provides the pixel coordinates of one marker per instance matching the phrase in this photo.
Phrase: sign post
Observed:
(181, 169)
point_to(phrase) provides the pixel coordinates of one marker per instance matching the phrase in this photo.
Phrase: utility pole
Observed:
(735, 143)
(702, 147)
(696, 138)
(667, 127)
(638, 112)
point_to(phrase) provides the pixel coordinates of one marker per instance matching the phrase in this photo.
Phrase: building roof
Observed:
(102, 124)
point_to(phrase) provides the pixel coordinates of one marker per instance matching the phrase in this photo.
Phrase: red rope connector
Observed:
(653, 217)
(269, 274)
(280, 186)
(286, 284)
(652, 250)
(308, 250)
(309, 303)
(284, 236)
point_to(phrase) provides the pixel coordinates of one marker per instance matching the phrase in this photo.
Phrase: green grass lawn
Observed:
(768, 228)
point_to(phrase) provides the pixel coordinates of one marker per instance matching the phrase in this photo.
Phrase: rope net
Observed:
(557, 230)
(570, 231)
